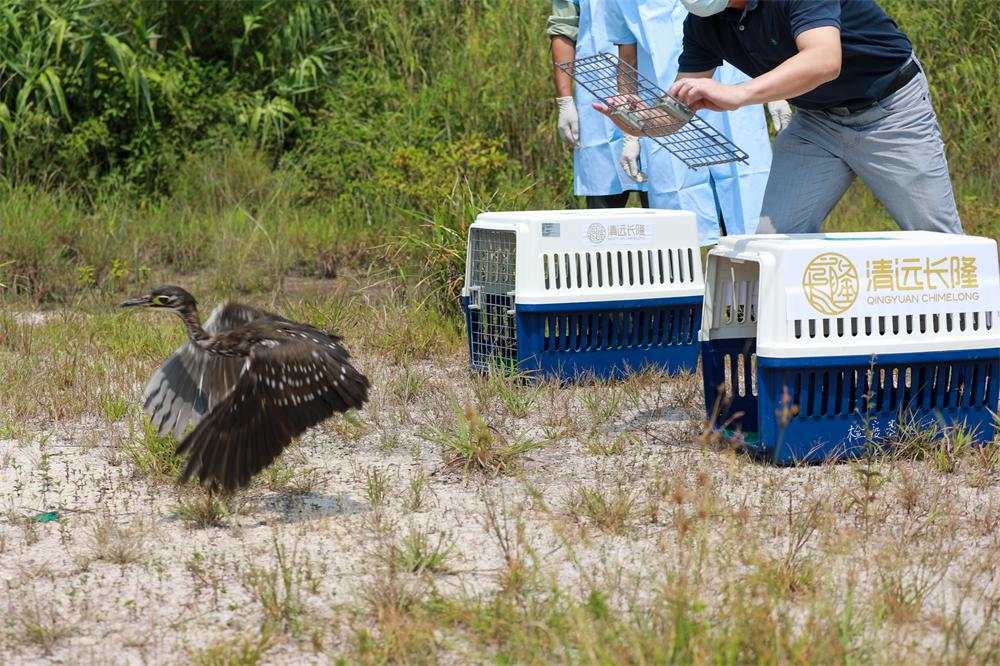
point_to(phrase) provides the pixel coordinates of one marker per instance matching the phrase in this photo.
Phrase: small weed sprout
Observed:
(417, 552)
(509, 532)
(9, 429)
(41, 626)
(599, 445)
(378, 483)
(687, 391)
(416, 492)
(513, 392)
(604, 403)
(350, 426)
(292, 474)
(952, 448)
(278, 590)
(240, 651)
(986, 460)
(943, 447)
(406, 386)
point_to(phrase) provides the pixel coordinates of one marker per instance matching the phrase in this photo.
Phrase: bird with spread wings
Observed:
(244, 386)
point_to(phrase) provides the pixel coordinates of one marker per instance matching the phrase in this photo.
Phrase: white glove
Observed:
(569, 120)
(630, 158)
(781, 114)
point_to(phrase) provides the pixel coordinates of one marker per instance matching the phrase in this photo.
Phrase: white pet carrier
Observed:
(821, 346)
(575, 292)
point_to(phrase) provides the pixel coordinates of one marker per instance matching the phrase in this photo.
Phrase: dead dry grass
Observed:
(466, 519)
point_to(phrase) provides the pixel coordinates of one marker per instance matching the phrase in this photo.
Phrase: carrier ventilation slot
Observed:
(618, 268)
(740, 374)
(890, 388)
(620, 329)
(893, 325)
(736, 296)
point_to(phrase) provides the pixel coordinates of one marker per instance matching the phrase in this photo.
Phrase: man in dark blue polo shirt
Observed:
(863, 105)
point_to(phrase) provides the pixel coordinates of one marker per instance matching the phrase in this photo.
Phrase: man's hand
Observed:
(630, 158)
(623, 110)
(569, 120)
(634, 116)
(702, 93)
(781, 114)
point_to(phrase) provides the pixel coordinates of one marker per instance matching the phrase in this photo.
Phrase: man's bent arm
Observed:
(817, 62)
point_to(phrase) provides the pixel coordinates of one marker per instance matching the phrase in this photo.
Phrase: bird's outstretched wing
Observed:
(284, 390)
(191, 382)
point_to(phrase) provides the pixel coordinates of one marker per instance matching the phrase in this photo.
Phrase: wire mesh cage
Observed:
(583, 293)
(651, 111)
(492, 330)
(828, 346)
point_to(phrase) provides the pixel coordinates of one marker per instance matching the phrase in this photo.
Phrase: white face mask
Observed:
(705, 7)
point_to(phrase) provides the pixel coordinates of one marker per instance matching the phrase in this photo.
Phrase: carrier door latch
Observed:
(476, 299)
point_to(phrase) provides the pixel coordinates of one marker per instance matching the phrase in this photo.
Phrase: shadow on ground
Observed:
(297, 507)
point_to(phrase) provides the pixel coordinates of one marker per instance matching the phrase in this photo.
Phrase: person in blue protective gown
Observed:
(577, 29)
(726, 198)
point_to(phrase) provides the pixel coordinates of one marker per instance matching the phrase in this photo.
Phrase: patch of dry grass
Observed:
(34, 622)
(112, 539)
(201, 509)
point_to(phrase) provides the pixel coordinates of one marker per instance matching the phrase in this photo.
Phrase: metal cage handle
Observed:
(475, 298)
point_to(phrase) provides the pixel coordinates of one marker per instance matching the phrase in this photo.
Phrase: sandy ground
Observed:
(178, 589)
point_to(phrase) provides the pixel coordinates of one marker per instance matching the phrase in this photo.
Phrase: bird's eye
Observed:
(161, 300)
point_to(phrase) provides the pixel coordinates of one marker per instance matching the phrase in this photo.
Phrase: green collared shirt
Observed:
(564, 21)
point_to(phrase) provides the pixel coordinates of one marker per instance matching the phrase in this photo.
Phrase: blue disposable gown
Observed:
(735, 190)
(596, 168)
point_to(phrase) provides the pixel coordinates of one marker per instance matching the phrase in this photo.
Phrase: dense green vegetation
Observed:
(247, 141)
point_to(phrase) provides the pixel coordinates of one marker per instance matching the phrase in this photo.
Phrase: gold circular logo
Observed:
(831, 283)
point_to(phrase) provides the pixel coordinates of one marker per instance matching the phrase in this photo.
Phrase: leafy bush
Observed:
(127, 89)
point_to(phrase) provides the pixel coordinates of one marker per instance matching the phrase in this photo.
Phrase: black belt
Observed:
(904, 76)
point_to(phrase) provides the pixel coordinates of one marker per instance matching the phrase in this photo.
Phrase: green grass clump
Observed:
(417, 552)
(153, 454)
(470, 444)
(202, 509)
(610, 509)
(240, 651)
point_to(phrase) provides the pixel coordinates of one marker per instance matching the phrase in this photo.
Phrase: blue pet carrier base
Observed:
(796, 410)
(604, 340)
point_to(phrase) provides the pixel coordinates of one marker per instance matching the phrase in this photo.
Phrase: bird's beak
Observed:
(135, 302)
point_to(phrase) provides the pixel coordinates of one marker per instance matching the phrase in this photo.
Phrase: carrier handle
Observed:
(475, 298)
